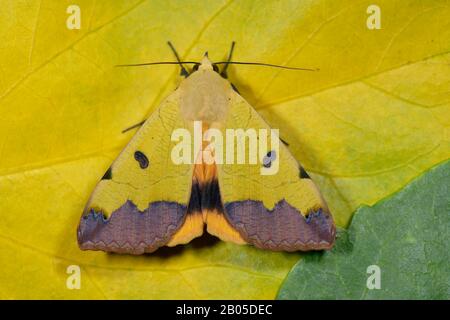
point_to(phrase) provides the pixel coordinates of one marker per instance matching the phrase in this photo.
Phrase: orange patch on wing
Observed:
(191, 228)
(205, 177)
(218, 226)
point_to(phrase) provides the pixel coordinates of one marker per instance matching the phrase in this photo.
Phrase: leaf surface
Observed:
(375, 116)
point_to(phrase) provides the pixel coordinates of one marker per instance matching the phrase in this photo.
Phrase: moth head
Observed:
(205, 64)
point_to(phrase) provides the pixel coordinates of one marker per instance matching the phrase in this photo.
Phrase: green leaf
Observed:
(407, 236)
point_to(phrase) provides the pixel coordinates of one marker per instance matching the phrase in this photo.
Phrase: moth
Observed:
(145, 200)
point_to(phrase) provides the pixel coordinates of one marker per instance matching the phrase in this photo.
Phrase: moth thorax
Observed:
(205, 96)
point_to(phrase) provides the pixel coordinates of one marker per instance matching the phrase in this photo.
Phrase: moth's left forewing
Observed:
(269, 203)
(142, 201)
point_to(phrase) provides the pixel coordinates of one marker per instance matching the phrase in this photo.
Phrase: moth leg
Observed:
(184, 72)
(224, 73)
(284, 142)
(134, 126)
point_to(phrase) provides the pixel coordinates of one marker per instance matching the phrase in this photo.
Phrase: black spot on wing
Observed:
(234, 88)
(108, 174)
(303, 174)
(211, 199)
(142, 159)
(195, 204)
(205, 196)
(269, 158)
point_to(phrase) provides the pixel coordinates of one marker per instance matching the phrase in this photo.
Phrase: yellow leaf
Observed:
(375, 116)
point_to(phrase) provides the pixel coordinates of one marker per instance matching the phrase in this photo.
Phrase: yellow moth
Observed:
(163, 190)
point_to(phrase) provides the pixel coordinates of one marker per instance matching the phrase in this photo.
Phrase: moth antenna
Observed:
(154, 63)
(224, 71)
(184, 71)
(266, 65)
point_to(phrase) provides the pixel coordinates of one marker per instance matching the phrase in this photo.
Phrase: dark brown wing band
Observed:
(283, 228)
(129, 230)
